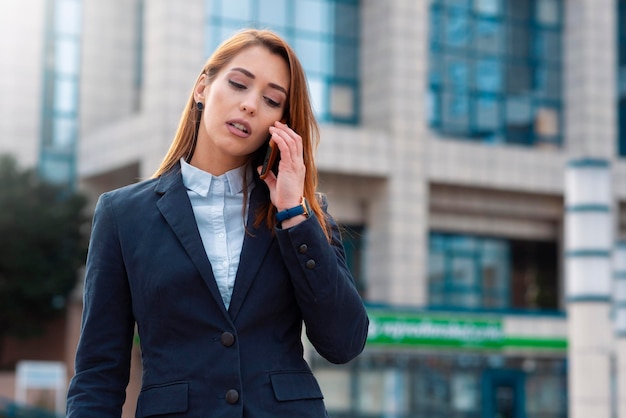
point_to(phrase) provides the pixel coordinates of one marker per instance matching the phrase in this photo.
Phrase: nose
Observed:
(248, 106)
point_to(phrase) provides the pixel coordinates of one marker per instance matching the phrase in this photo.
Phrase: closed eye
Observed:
(236, 85)
(271, 102)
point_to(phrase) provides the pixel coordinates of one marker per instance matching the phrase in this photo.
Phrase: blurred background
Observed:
(473, 150)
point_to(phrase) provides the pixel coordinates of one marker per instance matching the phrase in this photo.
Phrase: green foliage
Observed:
(42, 246)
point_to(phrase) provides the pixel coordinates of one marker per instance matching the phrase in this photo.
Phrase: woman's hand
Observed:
(286, 188)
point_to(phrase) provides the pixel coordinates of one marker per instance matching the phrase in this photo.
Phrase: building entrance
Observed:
(503, 394)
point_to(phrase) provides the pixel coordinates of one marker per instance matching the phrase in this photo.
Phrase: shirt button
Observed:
(232, 396)
(303, 248)
(310, 264)
(227, 339)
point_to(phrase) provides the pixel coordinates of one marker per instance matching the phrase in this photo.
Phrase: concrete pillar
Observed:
(619, 318)
(590, 131)
(588, 245)
(394, 48)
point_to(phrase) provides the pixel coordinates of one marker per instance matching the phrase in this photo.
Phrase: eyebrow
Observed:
(252, 76)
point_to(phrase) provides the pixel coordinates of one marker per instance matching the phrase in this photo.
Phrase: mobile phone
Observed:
(270, 161)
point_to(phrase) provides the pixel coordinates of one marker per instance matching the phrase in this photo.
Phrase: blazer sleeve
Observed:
(98, 388)
(334, 314)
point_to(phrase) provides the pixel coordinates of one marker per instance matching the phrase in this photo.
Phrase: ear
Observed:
(200, 89)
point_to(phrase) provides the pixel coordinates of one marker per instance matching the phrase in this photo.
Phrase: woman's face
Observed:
(246, 97)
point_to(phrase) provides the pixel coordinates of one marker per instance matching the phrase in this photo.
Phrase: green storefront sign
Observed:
(430, 330)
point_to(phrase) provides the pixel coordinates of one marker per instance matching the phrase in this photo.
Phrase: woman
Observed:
(218, 268)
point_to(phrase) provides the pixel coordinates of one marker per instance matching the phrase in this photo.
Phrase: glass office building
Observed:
(446, 129)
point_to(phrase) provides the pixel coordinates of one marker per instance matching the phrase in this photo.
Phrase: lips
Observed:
(239, 127)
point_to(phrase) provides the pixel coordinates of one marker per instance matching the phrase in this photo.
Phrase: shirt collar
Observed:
(200, 181)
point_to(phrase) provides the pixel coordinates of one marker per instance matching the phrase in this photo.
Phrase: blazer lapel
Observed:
(176, 208)
(255, 245)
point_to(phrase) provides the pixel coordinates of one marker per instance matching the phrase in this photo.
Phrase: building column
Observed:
(619, 318)
(588, 245)
(590, 91)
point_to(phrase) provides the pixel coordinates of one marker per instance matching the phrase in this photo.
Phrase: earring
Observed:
(200, 106)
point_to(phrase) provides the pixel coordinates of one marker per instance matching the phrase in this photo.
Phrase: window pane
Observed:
(65, 95)
(518, 79)
(273, 12)
(432, 108)
(461, 5)
(435, 26)
(236, 9)
(548, 12)
(488, 75)
(68, 17)
(316, 89)
(313, 54)
(456, 73)
(56, 170)
(455, 109)
(468, 272)
(436, 267)
(488, 7)
(342, 101)
(346, 61)
(518, 10)
(313, 15)
(456, 28)
(346, 20)
(371, 392)
(547, 45)
(518, 41)
(488, 36)
(67, 57)
(548, 84)
(487, 114)
(64, 132)
(463, 271)
(518, 111)
(435, 70)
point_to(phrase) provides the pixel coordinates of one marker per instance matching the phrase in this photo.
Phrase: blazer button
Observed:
(227, 339)
(232, 396)
(310, 264)
(303, 248)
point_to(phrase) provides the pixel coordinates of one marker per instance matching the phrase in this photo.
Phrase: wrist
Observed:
(301, 209)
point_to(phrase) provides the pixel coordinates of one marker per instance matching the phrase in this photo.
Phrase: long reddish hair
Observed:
(298, 114)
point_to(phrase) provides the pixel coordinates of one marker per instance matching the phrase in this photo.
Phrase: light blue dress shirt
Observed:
(217, 203)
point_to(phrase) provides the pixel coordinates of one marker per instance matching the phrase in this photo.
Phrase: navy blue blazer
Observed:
(147, 266)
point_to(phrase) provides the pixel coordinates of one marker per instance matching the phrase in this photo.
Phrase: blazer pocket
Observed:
(168, 398)
(291, 386)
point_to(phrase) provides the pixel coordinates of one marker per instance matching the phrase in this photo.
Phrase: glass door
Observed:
(503, 392)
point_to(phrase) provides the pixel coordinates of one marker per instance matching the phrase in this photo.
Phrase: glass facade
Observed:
(621, 77)
(463, 385)
(495, 70)
(482, 273)
(324, 34)
(59, 132)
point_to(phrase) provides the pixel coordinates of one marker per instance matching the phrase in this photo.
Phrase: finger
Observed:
(292, 140)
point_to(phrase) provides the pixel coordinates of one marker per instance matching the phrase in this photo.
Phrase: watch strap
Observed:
(301, 209)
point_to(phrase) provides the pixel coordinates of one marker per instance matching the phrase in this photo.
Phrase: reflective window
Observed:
(60, 91)
(324, 34)
(488, 54)
(474, 272)
(621, 75)
(461, 384)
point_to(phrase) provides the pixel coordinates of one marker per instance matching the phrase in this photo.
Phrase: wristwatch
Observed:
(301, 209)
